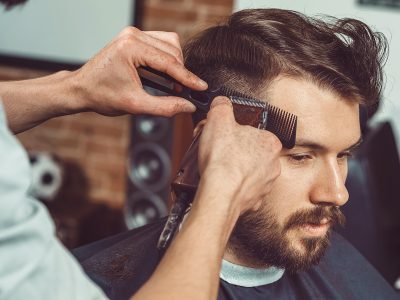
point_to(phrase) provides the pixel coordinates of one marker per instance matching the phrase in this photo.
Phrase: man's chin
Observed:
(305, 252)
(303, 242)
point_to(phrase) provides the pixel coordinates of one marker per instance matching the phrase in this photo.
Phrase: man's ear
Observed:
(199, 127)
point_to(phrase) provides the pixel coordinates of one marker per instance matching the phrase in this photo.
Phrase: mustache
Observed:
(315, 216)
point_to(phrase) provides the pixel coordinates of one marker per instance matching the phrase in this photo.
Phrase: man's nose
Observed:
(329, 185)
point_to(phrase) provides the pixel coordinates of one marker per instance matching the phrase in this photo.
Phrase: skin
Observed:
(109, 84)
(313, 173)
(228, 187)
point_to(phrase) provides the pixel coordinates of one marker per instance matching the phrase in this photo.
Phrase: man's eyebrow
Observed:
(316, 146)
(355, 145)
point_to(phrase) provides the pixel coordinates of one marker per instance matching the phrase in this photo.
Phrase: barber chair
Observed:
(373, 210)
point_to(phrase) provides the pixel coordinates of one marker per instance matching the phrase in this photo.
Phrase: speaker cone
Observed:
(143, 208)
(149, 166)
(152, 128)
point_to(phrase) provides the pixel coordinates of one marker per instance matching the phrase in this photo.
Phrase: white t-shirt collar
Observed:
(249, 277)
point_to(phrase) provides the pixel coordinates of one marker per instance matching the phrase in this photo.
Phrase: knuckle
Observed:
(191, 77)
(173, 36)
(176, 108)
(130, 30)
(274, 143)
(171, 109)
(123, 43)
(172, 61)
(177, 53)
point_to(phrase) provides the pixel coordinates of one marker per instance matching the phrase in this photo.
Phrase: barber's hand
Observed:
(239, 159)
(109, 82)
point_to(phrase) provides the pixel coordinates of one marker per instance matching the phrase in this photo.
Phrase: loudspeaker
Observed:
(149, 170)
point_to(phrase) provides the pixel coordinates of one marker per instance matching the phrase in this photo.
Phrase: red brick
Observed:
(224, 3)
(173, 13)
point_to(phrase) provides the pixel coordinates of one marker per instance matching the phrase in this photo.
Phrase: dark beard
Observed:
(259, 241)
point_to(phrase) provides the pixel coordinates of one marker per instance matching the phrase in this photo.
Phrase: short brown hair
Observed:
(254, 46)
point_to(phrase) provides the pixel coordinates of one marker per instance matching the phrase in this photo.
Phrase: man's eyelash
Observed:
(302, 158)
(299, 158)
(346, 154)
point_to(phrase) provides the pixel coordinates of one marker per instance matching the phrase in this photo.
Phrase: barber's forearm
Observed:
(190, 268)
(30, 102)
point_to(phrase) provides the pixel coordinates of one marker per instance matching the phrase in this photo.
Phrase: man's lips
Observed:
(316, 229)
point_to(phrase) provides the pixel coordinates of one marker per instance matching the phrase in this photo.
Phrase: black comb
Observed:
(281, 123)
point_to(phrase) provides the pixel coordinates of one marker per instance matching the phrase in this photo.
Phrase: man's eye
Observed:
(299, 158)
(345, 155)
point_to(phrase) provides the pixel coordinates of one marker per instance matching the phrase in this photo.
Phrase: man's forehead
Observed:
(323, 116)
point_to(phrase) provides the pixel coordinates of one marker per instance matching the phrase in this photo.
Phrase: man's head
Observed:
(321, 72)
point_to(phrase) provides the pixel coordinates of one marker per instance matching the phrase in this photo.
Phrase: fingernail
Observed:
(189, 107)
(203, 83)
(220, 100)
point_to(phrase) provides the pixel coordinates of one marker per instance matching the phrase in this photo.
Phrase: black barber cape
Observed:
(121, 264)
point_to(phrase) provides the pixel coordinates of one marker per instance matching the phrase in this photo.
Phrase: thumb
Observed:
(220, 100)
(221, 108)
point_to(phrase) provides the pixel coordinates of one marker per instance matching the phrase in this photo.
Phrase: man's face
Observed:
(291, 229)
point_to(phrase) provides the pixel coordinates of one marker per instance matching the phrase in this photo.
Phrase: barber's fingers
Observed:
(221, 110)
(166, 41)
(170, 65)
(168, 37)
(165, 106)
(146, 50)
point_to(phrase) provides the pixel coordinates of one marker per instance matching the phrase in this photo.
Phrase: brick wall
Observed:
(183, 16)
(99, 144)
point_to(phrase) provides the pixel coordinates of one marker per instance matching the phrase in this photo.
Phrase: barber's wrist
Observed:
(217, 197)
(61, 92)
(76, 93)
(223, 184)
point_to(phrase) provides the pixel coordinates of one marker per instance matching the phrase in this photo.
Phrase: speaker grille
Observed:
(149, 170)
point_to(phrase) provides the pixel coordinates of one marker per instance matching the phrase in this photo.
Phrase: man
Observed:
(323, 72)
(33, 263)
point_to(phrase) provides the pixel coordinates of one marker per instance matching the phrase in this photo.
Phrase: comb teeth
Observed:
(281, 123)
